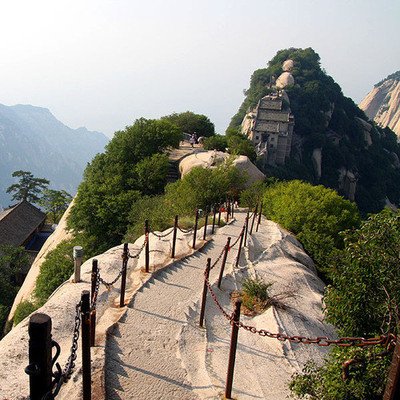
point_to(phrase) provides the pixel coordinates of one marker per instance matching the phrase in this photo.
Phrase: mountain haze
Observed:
(32, 139)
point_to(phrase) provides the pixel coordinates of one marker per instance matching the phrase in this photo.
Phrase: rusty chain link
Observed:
(186, 230)
(62, 376)
(162, 235)
(384, 340)
(93, 300)
(238, 238)
(218, 258)
(70, 365)
(109, 285)
(129, 255)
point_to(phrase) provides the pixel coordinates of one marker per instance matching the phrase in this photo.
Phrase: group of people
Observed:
(195, 140)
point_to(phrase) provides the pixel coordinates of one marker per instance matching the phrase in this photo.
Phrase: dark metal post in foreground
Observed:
(232, 351)
(246, 228)
(240, 247)
(195, 229)
(39, 368)
(259, 217)
(174, 237)
(95, 271)
(221, 273)
(205, 289)
(123, 276)
(392, 391)
(254, 217)
(86, 373)
(146, 247)
(205, 226)
(215, 214)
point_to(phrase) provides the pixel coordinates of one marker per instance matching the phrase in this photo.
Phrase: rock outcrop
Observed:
(211, 159)
(382, 103)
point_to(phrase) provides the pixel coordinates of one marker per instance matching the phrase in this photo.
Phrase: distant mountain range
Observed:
(32, 139)
(382, 103)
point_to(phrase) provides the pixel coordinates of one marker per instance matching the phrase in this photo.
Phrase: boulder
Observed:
(211, 159)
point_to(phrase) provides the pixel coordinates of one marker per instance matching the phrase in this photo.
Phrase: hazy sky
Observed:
(102, 64)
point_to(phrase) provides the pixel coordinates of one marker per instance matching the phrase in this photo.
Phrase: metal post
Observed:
(203, 301)
(147, 248)
(78, 254)
(86, 373)
(195, 229)
(174, 237)
(219, 215)
(246, 229)
(95, 272)
(240, 247)
(233, 206)
(232, 351)
(228, 210)
(221, 273)
(205, 227)
(259, 217)
(213, 225)
(254, 217)
(392, 391)
(123, 276)
(39, 368)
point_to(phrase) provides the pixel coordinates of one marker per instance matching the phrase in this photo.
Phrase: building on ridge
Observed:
(270, 128)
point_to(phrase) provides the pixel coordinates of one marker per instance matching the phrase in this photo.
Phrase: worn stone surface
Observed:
(154, 348)
(382, 104)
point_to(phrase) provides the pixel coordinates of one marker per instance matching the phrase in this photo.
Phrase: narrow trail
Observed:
(143, 353)
(158, 350)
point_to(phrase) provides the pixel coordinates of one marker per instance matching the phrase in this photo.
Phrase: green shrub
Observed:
(252, 196)
(59, 266)
(202, 187)
(315, 214)
(257, 288)
(217, 142)
(361, 302)
(24, 309)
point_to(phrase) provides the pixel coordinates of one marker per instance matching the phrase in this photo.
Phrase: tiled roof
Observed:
(18, 222)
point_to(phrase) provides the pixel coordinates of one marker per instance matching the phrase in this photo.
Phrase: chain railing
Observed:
(161, 236)
(320, 341)
(389, 342)
(50, 382)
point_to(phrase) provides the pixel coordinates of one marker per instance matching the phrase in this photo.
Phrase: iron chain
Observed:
(186, 230)
(141, 248)
(109, 285)
(163, 235)
(320, 341)
(70, 365)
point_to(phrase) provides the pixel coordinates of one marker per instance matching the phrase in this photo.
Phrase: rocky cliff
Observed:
(32, 139)
(333, 142)
(382, 103)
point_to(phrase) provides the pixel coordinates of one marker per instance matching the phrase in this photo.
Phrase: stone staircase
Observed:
(173, 171)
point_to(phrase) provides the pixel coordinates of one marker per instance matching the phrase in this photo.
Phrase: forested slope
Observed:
(326, 120)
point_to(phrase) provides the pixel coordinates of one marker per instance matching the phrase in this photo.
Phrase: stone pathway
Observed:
(143, 358)
(158, 350)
